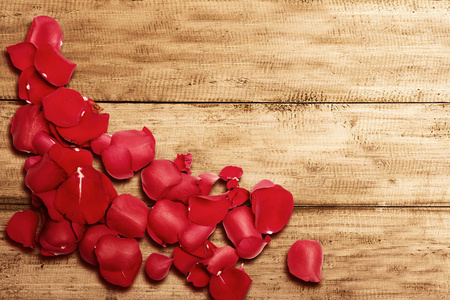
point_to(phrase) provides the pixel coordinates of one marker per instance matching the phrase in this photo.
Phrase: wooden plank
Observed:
(359, 154)
(400, 253)
(290, 51)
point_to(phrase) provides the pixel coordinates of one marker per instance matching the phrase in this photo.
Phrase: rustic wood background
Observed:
(344, 103)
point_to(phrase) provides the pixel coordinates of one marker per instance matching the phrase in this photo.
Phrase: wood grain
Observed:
(393, 253)
(355, 154)
(245, 51)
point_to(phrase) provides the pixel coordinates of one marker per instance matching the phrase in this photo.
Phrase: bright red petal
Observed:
(22, 227)
(208, 210)
(157, 266)
(43, 142)
(230, 284)
(37, 88)
(45, 30)
(123, 278)
(305, 258)
(64, 107)
(70, 159)
(230, 172)
(222, 257)
(89, 241)
(195, 236)
(117, 161)
(207, 180)
(188, 187)
(117, 254)
(184, 261)
(159, 177)
(198, 276)
(53, 66)
(238, 196)
(100, 143)
(22, 55)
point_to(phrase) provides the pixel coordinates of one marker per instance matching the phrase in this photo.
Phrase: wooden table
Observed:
(344, 103)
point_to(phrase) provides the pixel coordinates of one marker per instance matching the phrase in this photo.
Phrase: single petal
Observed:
(128, 216)
(159, 177)
(184, 162)
(230, 284)
(48, 198)
(45, 30)
(222, 257)
(117, 254)
(238, 196)
(44, 175)
(305, 259)
(82, 198)
(57, 237)
(100, 143)
(207, 180)
(230, 172)
(188, 187)
(22, 55)
(184, 261)
(22, 227)
(168, 221)
(157, 266)
(25, 125)
(140, 144)
(195, 236)
(53, 66)
(198, 276)
(91, 236)
(117, 161)
(70, 159)
(272, 207)
(208, 210)
(251, 246)
(123, 278)
(64, 107)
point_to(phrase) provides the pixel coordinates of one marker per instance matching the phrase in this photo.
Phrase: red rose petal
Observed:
(128, 216)
(230, 284)
(272, 207)
(44, 175)
(64, 107)
(251, 246)
(198, 276)
(25, 125)
(23, 84)
(167, 220)
(22, 227)
(89, 241)
(238, 196)
(101, 143)
(123, 278)
(31, 161)
(222, 257)
(117, 254)
(305, 258)
(208, 210)
(230, 172)
(140, 143)
(48, 198)
(109, 188)
(37, 87)
(53, 66)
(82, 198)
(22, 55)
(159, 177)
(207, 180)
(57, 238)
(45, 30)
(157, 266)
(184, 162)
(43, 142)
(263, 184)
(184, 261)
(232, 183)
(117, 161)
(70, 159)
(195, 236)
(188, 187)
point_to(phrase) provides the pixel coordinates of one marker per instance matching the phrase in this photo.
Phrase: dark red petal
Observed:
(123, 278)
(43, 142)
(168, 220)
(25, 125)
(109, 188)
(305, 258)
(184, 261)
(53, 66)
(48, 198)
(45, 30)
(128, 216)
(184, 162)
(238, 196)
(82, 198)
(100, 143)
(78, 229)
(70, 159)
(207, 180)
(198, 276)
(115, 253)
(22, 227)
(272, 207)
(195, 236)
(64, 107)
(58, 238)
(91, 126)
(157, 266)
(159, 177)
(208, 210)
(140, 144)
(22, 55)
(45, 175)
(222, 257)
(23, 84)
(31, 161)
(230, 284)
(89, 241)
(188, 187)
(230, 172)
(117, 161)
(37, 88)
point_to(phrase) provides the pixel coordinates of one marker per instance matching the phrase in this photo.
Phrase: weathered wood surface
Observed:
(326, 154)
(389, 253)
(290, 51)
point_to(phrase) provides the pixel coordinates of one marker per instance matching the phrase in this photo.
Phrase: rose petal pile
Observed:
(80, 208)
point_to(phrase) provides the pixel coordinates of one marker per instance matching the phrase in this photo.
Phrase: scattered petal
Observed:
(305, 258)
(222, 257)
(53, 66)
(195, 236)
(207, 180)
(70, 159)
(57, 238)
(238, 196)
(117, 161)
(100, 143)
(43, 142)
(208, 210)
(184, 162)
(230, 172)
(45, 30)
(22, 227)
(159, 177)
(89, 241)
(230, 284)
(184, 261)
(157, 266)
(22, 55)
(64, 107)
(48, 198)
(31, 161)
(198, 276)
(188, 187)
